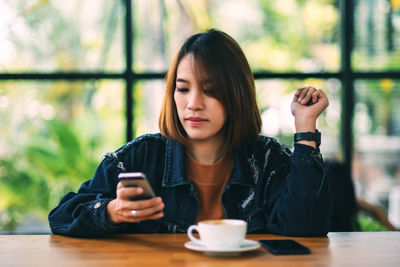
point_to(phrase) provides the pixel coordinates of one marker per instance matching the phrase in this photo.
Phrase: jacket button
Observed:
(97, 205)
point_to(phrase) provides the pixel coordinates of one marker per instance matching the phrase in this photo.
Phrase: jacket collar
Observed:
(242, 173)
(175, 167)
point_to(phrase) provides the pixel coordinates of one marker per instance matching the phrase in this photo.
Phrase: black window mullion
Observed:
(347, 78)
(129, 77)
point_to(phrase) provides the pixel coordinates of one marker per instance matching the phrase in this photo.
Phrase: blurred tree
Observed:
(47, 147)
(34, 179)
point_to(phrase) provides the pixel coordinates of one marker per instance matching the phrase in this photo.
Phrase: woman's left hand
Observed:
(306, 106)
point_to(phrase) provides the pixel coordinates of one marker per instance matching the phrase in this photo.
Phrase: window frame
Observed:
(346, 75)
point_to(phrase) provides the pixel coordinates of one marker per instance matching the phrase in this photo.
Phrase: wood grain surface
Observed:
(338, 249)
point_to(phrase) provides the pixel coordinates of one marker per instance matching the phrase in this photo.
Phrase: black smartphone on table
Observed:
(284, 247)
(137, 179)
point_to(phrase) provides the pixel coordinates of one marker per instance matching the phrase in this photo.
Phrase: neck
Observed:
(206, 152)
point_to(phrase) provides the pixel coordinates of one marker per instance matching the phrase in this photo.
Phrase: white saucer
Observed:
(245, 246)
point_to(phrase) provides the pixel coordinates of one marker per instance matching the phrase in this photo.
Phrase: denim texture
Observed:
(274, 190)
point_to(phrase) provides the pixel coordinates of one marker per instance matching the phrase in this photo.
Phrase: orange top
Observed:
(209, 181)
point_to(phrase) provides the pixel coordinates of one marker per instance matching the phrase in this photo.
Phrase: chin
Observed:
(197, 137)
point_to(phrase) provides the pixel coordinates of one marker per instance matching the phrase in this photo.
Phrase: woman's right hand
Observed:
(122, 209)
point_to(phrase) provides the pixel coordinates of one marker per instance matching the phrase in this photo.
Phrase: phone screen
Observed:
(137, 179)
(284, 247)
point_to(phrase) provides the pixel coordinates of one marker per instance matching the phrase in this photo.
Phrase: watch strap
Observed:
(308, 136)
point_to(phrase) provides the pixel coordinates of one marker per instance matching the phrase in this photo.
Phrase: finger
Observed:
(319, 94)
(303, 93)
(119, 185)
(325, 98)
(138, 214)
(298, 91)
(128, 192)
(316, 95)
(144, 204)
(297, 94)
(308, 95)
(154, 216)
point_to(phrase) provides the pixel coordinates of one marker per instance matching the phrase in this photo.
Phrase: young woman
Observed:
(209, 162)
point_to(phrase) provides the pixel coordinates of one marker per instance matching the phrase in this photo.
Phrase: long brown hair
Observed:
(221, 57)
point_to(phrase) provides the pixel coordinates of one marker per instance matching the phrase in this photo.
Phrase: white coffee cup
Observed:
(217, 234)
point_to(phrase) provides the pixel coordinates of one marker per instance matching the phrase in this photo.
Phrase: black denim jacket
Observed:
(274, 190)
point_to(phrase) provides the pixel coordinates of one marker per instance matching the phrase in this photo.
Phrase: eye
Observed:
(182, 90)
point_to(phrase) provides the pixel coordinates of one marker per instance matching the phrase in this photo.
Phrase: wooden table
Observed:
(338, 249)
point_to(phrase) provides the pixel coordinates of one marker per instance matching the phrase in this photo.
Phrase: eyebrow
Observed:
(207, 81)
(181, 80)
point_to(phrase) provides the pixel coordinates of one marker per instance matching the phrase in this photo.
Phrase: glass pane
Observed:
(148, 101)
(274, 99)
(377, 35)
(277, 36)
(51, 137)
(57, 35)
(377, 140)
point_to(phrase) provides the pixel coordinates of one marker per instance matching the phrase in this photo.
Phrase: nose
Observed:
(195, 100)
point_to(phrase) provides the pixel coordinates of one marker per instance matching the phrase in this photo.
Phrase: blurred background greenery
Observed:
(53, 131)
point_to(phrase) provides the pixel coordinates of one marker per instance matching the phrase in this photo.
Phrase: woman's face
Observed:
(201, 115)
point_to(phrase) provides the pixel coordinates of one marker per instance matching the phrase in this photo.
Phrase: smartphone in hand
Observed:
(284, 247)
(137, 179)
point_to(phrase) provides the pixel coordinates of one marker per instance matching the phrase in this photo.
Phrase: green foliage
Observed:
(367, 224)
(35, 179)
(22, 190)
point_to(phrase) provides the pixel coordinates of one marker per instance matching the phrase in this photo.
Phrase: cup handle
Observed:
(190, 234)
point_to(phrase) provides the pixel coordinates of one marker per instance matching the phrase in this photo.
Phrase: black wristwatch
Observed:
(309, 136)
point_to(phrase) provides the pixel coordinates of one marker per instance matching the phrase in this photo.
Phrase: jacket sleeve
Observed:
(84, 213)
(299, 204)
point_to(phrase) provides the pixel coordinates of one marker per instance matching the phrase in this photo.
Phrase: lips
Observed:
(196, 121)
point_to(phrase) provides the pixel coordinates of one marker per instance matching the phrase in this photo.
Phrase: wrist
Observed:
(110, 211)
(308, 143)
(305, 125)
